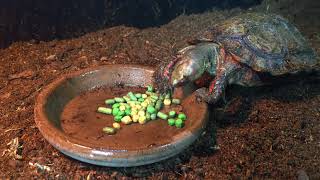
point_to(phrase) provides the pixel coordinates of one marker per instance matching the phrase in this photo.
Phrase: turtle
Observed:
(239, 50)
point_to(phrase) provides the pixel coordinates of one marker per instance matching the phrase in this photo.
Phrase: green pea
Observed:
(161, 97)
(109, 101)
(119, 100)
(117, 118)
(132, 96)
(121, 113)
(104, 110)
(159, 105)
(179, 123)
(148, 116)
(153, 116)
(151, 93)
(116, 105)
(154, 97)
(176, 101)
(127, 112)
(171, 122)
(109, 130)
(150, 88)
(140, 99)
(126, 98)
(151, 109)
(182, 116)
(162, 115)
(138, 95)
(127, 106)
(172, 114)
(115, 111)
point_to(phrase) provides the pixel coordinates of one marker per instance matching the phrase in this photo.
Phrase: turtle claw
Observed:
(203, 94)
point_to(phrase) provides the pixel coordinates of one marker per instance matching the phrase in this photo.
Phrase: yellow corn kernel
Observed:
(141, 113)
(122, 108)
(126, 120)
(144, 104)
(135, 118)
(134, 112)
(116, 125)
(142, 120)
(167, 102)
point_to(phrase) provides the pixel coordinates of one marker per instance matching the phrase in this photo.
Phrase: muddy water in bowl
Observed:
(81, 120)
(66, 114)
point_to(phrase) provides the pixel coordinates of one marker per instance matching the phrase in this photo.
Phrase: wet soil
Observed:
(81, 121)
(270, 132)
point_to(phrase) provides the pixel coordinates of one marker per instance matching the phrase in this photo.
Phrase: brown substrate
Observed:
(271, 132)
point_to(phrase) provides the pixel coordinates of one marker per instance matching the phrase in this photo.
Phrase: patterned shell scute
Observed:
(265, 42)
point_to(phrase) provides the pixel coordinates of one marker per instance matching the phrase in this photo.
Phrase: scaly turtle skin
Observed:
(237, 51)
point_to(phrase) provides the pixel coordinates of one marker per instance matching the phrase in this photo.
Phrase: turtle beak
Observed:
(175, 82)
(178, 82)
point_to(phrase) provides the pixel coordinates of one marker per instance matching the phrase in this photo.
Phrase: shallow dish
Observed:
(86, 143)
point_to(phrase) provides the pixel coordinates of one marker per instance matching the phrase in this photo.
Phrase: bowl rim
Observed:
(102, 156)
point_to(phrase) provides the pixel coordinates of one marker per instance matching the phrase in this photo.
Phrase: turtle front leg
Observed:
(226, 70)
(215, 91)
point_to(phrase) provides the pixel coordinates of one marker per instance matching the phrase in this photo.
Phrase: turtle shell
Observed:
(264, 42)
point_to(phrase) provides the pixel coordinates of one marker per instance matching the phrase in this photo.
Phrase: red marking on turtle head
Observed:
(212, 86)
(167, 69)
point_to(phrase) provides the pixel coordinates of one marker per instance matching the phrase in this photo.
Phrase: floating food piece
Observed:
(153, 116)
(182, 116)
(151, 109)
(172, 114)
(171, 122)
(116, 125)
(109, 101)
(105, 110)
(117, 118)
(116, 105)
(122, 108)
(119, 100)
(167, 102)
(126, 98)
(135, 118)
(121, 113)
(138, 95)
(109, 130)
(127, 112)
(149, 88)
(142, 120)
(141, 113)
(162, 115)
(126, 120)
(179, 123)
(115, 111)
(132, 96)
(158, 105)
(176, 101)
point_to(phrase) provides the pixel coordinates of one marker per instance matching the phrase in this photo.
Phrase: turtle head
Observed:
(185, 70)
(192, 62)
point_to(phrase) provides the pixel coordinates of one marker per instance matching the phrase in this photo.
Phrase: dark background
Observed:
(47, 19)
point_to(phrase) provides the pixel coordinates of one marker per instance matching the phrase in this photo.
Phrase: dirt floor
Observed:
(262, 133)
